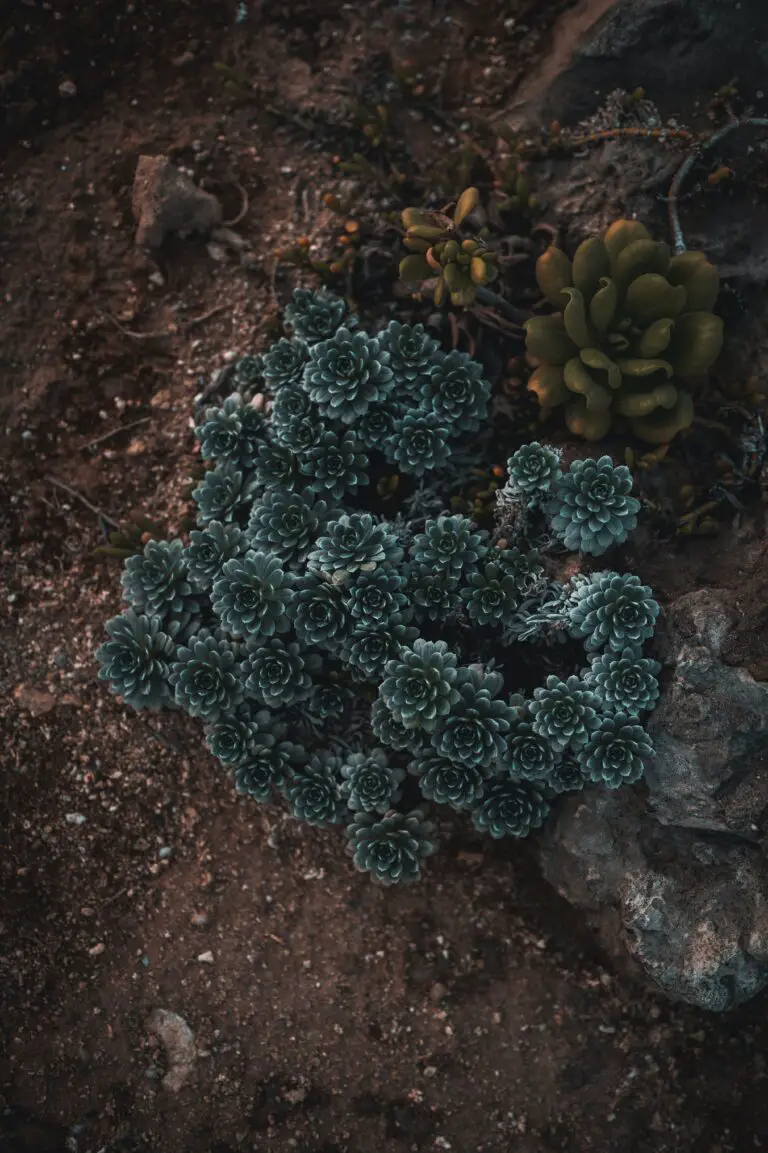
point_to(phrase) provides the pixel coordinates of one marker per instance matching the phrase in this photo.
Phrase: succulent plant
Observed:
(262, 772)
(369, 783)
(433, 593)
(313, 791)
(564, 712)
(530, 755)
(156, 582)
(446, 782)
(624, 681)
(330, 702)
(533, 470)
(223, 492)
(413, 353)
(247, 375)
(291, 404)
(523, 567)
(315, 316)
(368, 650)
(284, 364)
(591, 509)
(377, 424)
(232, 434)
(277, 466)
(457, 392)
(419, 443)
(438, 250)
(390, 848)
(205, 677)
(419, 687)
(136, 659)
(275, 673)
(285, 523)
(253, 595)
(354, 542)
(319, 613)
(209, 548)
(373, 599)
(335, 464)
(491, 597)
(633, 321)
(510, 808)
(565, 777)
(474, 731)
(392, 732)
(616, 753)
(233, 738)
(346, 374)
(449, 544)
(612, 610)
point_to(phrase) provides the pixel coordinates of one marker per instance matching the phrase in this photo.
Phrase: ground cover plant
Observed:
(351, 642)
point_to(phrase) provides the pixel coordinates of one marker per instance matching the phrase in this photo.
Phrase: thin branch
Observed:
(684, 171)
(116, 431)
(164, 335)
(243, 210)
(83, 500)
(195, 320)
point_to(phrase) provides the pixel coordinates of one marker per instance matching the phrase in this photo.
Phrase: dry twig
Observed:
(83, 499)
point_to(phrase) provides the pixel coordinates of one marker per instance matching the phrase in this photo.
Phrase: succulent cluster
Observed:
(364, 668)
(634, 324)
(439, 251)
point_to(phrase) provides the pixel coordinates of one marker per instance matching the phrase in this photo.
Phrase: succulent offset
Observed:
(353, 647)
(633, 332)
(440, 249)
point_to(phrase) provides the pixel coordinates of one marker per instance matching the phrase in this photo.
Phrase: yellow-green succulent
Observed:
(635, 321)
(437, 250)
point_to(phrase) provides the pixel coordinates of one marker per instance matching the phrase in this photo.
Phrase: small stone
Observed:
(166, 201)
(438, 992)
(97, 950)
(199, 920)
(178, 1040)
(67, 89)
(165, 852)
(205, 958)
(74, 818)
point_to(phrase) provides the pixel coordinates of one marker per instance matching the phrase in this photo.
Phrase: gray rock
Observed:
(166, 201)
(676, 877)
(178, 1040)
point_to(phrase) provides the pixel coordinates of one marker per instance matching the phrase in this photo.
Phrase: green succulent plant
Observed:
(634, 322)
(510, 808)
(390, 848)
(419, 687)
(448, 783)
(205, 677)
(369, 783)
(136, 660)
(590, 509)
(616, 753)
(437, 250)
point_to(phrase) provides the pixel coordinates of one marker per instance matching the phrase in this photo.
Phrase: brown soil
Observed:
(471, 1013)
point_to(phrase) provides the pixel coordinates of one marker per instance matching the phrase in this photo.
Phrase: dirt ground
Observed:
(472, 1012)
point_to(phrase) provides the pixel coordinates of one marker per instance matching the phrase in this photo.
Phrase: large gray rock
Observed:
(166, 201)
(677, 876)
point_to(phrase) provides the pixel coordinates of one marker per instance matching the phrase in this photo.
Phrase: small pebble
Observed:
(199, 920)
(68, 89)
(74, 818)
(205, 958)
(97, 950)
(165, 852)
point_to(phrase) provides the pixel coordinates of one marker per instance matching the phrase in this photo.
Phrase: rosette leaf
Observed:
(530, 755)
(253, 595)
(368, 650)
(234, 738)
(533, 470)
(419, 443)
(136, 660)
(232, 434)
(373, 599)
(419, 687)
(491, 597)
(391, 848)
(457, 392)
(277, 466)
(286, 523)
(335, 464)
(205, 677)
(209, 549)
(624, 681)
(275, 673)
(590, 509)
(223, 492)
(156, 582)
(313, 791)
(434, 594)
(316, 316)
(449, 544)
(369, 783)
(319, 613)
(510, 808)
(564, 713)
(284, 364)
(446, 782)
(413, 354)
(354, 542)
(612, 610)
(346, 374)
(616, 753)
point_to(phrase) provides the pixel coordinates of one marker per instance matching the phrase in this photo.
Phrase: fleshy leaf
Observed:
(591, 265)
(546, 338)
(553, 274)
(650, 297)
(661, 426)
(595, 359)
(602, 306)
(596, 396)
(586, 424)
(699, 278)
(656, 338)
(575, 319)
(548, 385)
(466, 203)
(622, 233)
(639, 258)
(696, 343)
